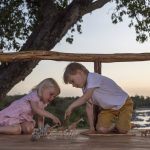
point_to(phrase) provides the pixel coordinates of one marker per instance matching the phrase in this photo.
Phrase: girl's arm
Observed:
(41, 112)
(40, 121)
(80, 101)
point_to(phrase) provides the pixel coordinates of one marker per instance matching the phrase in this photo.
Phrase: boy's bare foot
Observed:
(89, 132)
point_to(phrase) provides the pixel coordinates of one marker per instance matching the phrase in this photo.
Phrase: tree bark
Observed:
(50, 30)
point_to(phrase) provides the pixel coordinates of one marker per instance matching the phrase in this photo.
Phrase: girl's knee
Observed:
(16, 130)
(27, 128)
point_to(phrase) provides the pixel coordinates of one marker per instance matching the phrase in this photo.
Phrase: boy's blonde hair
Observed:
(71, 69)
(46, 83)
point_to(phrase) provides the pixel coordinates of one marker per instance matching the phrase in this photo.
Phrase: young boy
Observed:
(102, 91)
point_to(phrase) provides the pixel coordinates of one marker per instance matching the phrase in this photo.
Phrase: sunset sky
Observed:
(99, 36)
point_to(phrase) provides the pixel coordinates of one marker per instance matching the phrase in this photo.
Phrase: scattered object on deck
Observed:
(41, 132)
(74, 124)
(64, 130)
(62, 133)
(133, 125)
(145, 132)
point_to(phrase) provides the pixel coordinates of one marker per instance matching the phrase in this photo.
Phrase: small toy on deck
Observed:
(41, 132)
(145, 132)
(65, 130)
(74, 124)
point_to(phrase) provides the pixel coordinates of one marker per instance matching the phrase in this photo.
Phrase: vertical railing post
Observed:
(97, 67)
(96, 110)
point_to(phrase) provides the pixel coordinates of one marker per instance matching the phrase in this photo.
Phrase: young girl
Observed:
(102, 91)
(18, 117)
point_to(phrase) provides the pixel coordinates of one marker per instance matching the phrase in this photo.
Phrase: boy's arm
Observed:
(90, 115)
(80, 101)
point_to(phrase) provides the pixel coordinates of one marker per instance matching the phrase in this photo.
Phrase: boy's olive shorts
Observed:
(121, 117)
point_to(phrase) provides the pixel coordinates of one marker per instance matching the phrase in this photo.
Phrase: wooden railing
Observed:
(58, 56)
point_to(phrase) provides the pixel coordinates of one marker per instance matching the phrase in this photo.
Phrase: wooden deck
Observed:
(80, 142)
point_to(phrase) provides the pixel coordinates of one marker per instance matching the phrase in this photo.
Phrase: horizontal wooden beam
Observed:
(58, 56)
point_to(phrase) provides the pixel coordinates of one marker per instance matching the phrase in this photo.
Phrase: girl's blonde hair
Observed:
(46, 83)
(71, 69)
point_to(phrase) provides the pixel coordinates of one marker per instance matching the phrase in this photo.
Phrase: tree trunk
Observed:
(50, 30)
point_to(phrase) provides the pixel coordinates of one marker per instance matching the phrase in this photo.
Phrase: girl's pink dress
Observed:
(20, 110)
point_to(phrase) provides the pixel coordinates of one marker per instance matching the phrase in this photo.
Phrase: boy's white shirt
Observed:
(107, 93)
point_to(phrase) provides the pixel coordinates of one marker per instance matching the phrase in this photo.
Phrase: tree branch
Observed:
(93, 6)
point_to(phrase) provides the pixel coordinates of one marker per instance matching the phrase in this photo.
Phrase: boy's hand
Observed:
(68, 112)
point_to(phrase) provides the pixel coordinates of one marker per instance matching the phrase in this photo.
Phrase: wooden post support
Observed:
(96, 109)
(97, 67)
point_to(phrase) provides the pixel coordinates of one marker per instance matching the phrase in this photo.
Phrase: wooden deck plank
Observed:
(80, 142)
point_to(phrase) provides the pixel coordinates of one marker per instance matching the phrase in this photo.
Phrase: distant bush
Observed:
(141, 101)
(8, 100)
(60, 104)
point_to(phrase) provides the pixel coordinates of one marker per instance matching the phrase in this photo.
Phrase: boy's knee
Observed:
(122, 131)
(103, 130)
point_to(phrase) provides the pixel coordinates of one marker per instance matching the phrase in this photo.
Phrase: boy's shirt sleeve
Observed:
(93, 80)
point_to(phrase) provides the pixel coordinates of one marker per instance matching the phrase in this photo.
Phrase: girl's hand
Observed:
(56, 120)
(68, 112)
